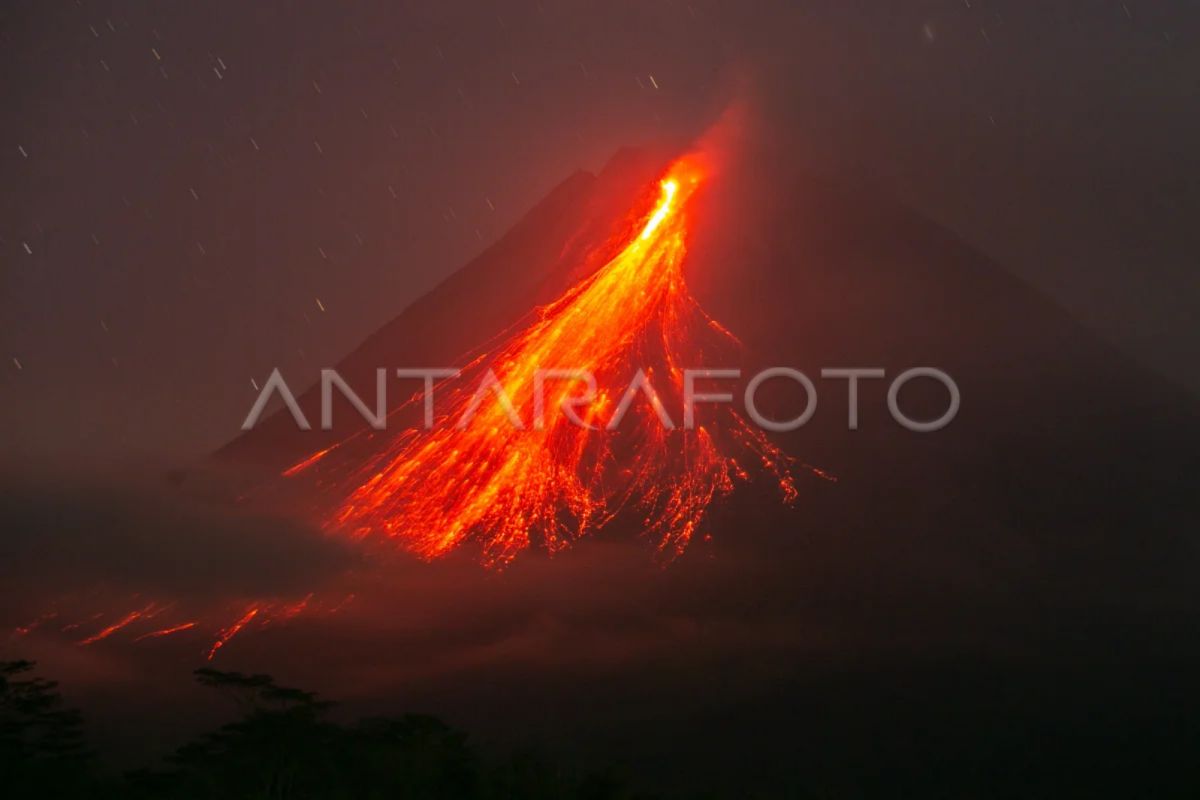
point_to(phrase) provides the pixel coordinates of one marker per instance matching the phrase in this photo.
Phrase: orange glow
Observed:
(261, 611)
(166, 631)
(670, 188)
(25, 630)
(228, 633)
(128, 619)
(308, 462)
(507, 487)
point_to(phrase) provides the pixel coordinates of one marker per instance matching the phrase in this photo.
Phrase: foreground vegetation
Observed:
(283, 746)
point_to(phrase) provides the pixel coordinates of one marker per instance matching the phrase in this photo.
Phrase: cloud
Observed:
(152, 540)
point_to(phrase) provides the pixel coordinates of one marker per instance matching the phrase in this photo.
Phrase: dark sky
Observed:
(197, 193)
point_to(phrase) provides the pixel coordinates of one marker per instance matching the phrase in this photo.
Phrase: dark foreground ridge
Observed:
(283, 745)
(286, 745)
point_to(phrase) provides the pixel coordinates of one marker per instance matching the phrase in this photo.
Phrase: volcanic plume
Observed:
(510, 463)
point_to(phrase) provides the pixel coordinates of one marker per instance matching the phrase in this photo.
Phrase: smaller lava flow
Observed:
(138, 623)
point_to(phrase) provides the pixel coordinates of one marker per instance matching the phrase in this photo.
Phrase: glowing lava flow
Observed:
(226, 634)
(257, 614)
(125, 621)
(158, 634)
(507, 480)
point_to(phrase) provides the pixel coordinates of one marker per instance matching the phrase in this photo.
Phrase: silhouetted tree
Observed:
(281, 746)
(42, 750)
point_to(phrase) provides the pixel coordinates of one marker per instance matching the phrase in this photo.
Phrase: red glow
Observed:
(186, 626)
(228, 633)
(128, 619)
(506, 487)
(261, 611)
(25, 630)
(308, 462)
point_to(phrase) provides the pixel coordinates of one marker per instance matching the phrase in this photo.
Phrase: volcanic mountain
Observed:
(530, 266)
(1026, 565)
(1055, 426)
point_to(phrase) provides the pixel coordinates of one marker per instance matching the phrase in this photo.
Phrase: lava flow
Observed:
(523, 472)
(216, 624)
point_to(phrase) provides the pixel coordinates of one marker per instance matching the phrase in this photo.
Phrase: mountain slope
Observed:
(1004, 605)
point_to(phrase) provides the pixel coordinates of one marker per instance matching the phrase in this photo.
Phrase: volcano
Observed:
(1011, 587)
(811, 274)
(492, 477)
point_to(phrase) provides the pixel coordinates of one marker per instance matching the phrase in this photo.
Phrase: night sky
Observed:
(197, 193)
